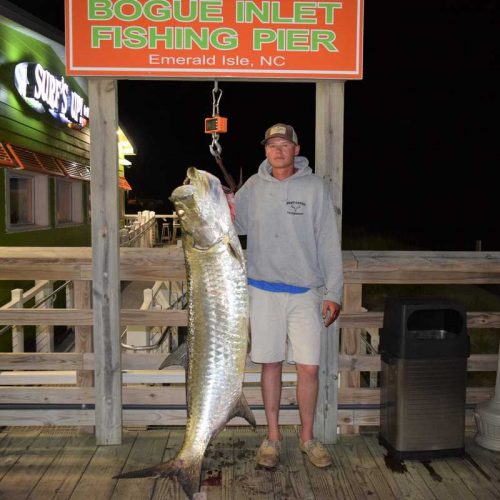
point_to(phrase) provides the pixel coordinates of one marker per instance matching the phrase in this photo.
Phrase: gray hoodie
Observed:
(291, 228)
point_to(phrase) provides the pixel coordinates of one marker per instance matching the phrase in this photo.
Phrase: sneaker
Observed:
(317, 453)
(268, 454)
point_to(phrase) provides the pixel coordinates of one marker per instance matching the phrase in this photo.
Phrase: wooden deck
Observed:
(59, 463)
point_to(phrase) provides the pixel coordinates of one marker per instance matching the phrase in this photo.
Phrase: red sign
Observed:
(211, 38)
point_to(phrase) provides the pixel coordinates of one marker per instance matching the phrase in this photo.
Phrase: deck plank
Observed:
(147, 450)
(329, 482)
(24, 475)
(97, 481)
(414, 475)
(296, 479)
(360, 489)
(487, 461)
(61, 464)
(13, 445)
(366, 469)
(217, 473)
(442, 480)
(476, 482)
(399, 481)
(249, 482)
(61, 478)
(170, 487)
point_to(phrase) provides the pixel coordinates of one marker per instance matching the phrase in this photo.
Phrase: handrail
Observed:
(146, 347)
(164, 335)
(143, 229)
(39, 303)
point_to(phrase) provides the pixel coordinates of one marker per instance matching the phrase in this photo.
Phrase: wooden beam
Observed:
(41, 361)
(176, 395)
(106, 259)
(178, 317)
(329, 165)
(75, 263)
(151, 264)
(85, 317)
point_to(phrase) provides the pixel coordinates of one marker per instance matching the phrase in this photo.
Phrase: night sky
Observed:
(421, 154)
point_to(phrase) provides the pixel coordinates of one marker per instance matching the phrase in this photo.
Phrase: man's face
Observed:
(280, 152)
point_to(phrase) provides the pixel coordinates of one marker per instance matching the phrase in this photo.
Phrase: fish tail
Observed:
(188, 474)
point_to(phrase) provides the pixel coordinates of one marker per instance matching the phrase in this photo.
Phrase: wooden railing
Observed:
(163, 295)
(140, 231)
(62, 382)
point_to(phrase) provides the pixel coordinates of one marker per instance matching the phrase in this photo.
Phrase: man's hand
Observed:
(330, 312)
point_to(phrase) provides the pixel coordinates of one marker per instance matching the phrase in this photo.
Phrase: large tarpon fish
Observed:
(217, 324)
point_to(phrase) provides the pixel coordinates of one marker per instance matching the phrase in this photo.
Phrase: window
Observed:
(63, 194)
(28, 201)
(21, 200)
(69, 202)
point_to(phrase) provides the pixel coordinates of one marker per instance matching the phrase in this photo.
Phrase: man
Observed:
(295, 280)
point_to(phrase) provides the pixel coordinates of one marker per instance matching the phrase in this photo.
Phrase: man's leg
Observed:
(307, 396)
(269, 450)
(271, 395)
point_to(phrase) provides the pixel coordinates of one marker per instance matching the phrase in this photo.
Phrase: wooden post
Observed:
(350, 344)
(329, 165)
(105, 260)
(83, 338)
(44, 333)
(17, 330)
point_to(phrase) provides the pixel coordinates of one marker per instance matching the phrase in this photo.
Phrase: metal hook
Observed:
(216, 99)
(215, 147)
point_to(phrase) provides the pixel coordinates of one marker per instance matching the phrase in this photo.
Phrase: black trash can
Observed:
(424, 348)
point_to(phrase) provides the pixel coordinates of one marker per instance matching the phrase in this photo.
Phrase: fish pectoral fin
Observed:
(177, 358)
(241, 409)
(235, 250)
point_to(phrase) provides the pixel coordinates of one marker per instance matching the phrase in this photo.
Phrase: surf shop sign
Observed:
(212, 38)
(45, 92)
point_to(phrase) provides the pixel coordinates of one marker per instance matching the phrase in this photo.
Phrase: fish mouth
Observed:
(202, 209)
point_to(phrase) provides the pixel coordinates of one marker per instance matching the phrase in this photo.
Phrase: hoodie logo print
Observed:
(295, 207)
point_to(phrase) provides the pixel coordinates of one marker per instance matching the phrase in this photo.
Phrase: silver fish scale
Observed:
(217, 341)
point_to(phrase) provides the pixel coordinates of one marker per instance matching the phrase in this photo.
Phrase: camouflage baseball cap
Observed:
(281, 130)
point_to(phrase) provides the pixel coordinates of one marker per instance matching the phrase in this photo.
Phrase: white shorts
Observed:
(279, 319)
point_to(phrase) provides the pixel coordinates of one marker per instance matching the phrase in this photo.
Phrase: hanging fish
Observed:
(217, 337)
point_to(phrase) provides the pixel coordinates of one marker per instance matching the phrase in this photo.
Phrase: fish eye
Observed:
(180, 212)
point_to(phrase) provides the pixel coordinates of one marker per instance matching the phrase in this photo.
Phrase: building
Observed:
(44, 138)
(44, 142)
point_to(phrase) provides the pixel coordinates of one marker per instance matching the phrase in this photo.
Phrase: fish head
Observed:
(202, 208)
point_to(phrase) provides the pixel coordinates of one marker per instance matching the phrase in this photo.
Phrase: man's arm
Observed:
(329, 251)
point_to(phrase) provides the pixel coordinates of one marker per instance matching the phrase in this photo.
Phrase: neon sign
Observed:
(45, 92)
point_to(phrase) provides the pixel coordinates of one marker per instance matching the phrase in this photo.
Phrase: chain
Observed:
(215, 147)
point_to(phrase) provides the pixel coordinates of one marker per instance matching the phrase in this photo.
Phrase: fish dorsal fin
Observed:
(177, 358)
(241, 409)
